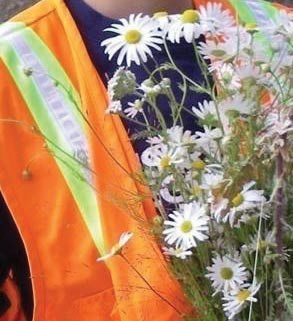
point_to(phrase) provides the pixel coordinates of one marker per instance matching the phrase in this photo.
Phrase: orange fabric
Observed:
(68, 283)
(14, 313)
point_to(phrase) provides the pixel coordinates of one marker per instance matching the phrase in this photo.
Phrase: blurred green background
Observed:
(10, 7)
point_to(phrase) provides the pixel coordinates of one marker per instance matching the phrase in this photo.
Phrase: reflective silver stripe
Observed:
(261, 17)
(58, 107)
(8, 28)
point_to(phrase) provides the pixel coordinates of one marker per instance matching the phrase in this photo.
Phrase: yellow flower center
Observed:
(218, 53)
(262, 245)
(196, 191)
(226, 273)
(251, 27)
(189, 16)
(186, 227)
(248, 82)
(199, 165)
(165, 162)
(237, 200)
(243, 295)
(160, 14)
(132, 36)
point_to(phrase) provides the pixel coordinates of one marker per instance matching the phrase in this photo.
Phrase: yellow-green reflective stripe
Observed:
(256, 12)
(34, 68)
(262, 11)
(243, 11)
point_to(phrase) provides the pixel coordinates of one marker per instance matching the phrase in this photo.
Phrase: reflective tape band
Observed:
(41, 81)
(256, 12)
(243, 11)
(261, 11)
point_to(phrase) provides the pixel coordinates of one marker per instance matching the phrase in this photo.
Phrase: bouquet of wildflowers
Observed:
(224, 193)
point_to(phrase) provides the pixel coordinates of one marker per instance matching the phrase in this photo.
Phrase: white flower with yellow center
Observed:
(177, 252)
(188, 226)
(226, 273)
(238, 299)
(245, 200)
(260, 244)
(163, 19)
(161, 156)
(134, 108)
(217, 50)
(135, 38)
(117, 248)
(237, 104)
(185, 25)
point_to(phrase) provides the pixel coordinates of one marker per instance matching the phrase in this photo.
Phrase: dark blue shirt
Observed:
(91, 25)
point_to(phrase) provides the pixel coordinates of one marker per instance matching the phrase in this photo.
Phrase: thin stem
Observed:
(279, 211)
(148, 284)
(196, 85)
(280, 207)
(256, 256)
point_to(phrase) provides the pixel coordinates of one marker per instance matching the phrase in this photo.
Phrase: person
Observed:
(53, 102)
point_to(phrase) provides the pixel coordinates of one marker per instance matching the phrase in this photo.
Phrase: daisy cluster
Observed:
(218, 190)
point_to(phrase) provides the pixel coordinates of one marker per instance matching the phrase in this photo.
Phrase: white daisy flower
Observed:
(226, 273)
(134, 108)
(114, 107)
(177, 252)
(234, 41)
(178, 137)
(217, 50)
(161, 156)
(282, 23)
(249, 75)
(213, 19)
(169, 196)
(163, 19)
(189, 225)
(226, 76)
(212, 180)
(184, 25)
(117, 248)
(237, 103)
(207, 140)
(237, 300)
(245, 200)
(260, 244)
(135, 38)
(156, 140)
(170, 193)
(219, 206)
(206, 111)
(278, 123)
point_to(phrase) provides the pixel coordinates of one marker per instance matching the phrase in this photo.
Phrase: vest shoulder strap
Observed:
(56, 108)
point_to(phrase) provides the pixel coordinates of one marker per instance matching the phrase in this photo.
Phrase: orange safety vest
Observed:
(65, 222)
